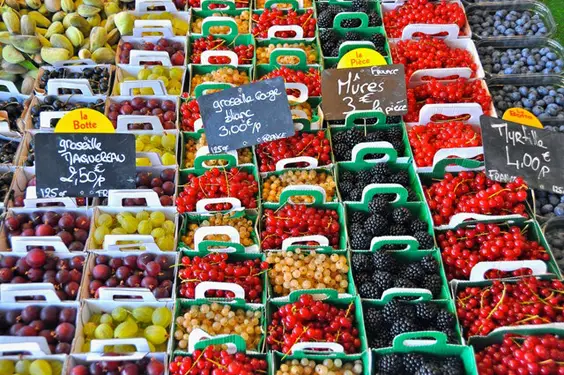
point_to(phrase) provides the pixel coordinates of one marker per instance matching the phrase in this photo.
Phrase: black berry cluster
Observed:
(344, 141)
(377, 272)
(328, 12)
(418, 364)
(331, 41)
(397, 317)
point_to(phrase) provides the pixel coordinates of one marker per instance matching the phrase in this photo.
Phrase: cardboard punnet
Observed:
(153, 22)
(15, 349)
(139, 56)
(230, 41)
(204, 87)
(286, 46)
(53, 86)
(92, 357)
(126, 81)
(9, 173)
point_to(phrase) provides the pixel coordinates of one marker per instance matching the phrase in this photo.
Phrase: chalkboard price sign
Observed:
(83, 165)
(246, 115)
(513, 150)
(375, 88)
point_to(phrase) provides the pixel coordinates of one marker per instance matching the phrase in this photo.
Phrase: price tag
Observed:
(514, 150)
(246, 115)
(83, 165)
(374, 88)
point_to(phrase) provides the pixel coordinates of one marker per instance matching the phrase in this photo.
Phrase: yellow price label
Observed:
(84, 120)
(522, 116)
(361, 57)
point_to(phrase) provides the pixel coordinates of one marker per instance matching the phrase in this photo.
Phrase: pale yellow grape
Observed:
(118, 230)
(168, 142)
(161, 317)
(142, 215)
(126, 330)
(139, 146)
(95, 318)
(142, 162)
(100, 233)
(124, 348)
(86, 347)
(168, 159)
(143, 74)
(176, 74)
(145, 138)
(157, 218)
(105, 220)
(143, 314)
(156, 140)
(158, 233)
(165, 243)
(168, 226)
(159, 70)
(22, 366)
(89, 329)
(130, 224)
(107, 319)
(57, 367)
(40, 367)
(119, 314)
(144, 227)
(156, 334)
(104, 331)
(6, 366)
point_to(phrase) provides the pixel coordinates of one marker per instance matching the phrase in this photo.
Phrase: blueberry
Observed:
(542, 90)
(553, 200)
(527, 103)
(548, 99)
(523, 90)
(546, 209)
(559, 210)
(537, 110)
(552, 56)
(541, 103)
(515, 95)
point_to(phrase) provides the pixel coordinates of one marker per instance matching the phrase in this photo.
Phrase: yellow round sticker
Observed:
(522, 116)
(361, 57)
(84, 120)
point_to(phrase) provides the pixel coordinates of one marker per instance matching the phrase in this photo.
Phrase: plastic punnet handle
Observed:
(357, 115)
(35, 346)
(46, 117)
(299, 4)
(20, 244)
(147, 241)
(203, 154)
(406, 341)
(200, 339)
(10, 292)
(463, 153)
(372, 190)
(202, 203)
(225, 5)
(363, 17)
(410, 242)
(317, 192)
(198, 124)
(136, 57)
(301, 347)
(201, 233)
(304, 92)
(318, 294)
(440, 73)
(82, 84)
(124, 120)
(212, 21)
(290, 241)
(126, 87)
(452, 30)
(59, 64)
(423, 294)
(152, 26)
(294, 52)
(204, 86)
(360, 151)
(478, 272)
(9, 85)
(141, 345)
(451, 110)
(441, 166)
(458, 219)
(203, 287)
(282, 164)
(272, 30)
(232, 56)
(109, 294)
(116, 197)
(144, 5)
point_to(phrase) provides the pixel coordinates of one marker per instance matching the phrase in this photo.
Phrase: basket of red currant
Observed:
(301, 82)
(284, 24)
(229, 21)
(190, 118)
(221, 50)
(210, 359)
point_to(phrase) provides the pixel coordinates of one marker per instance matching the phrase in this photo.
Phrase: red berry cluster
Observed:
(423, 11)
(165, 110)
(245, 53)
(308, 320)
(198, 4)
(189, 113)
(435, 92)
(299, 220)
(475, 193)
(463, 248)
(175, 51)
(527, 301)
(272, 17)
(533, 355)
(218, 183)
(300, 144)
(430, 53)
(311, 78)
(37, 266)
(216, 362)
(218, 267)
(427, 139)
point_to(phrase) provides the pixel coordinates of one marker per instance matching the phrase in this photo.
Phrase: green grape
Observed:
(157, 218)
(124, 348)
(100, 233)
(166, 243)
(126, 330)
(22, 366)
(160, 70)
(161, 348)
(142, 215)
(168, 226)
(158, 233)
(156, 334)
(168, 142)
(104, 331)
(151, 347)
(156, 141)
(95, 318)
(40, 367)
(89, 329)
(130, 224)
(176, 74)
(142, 314)
(119, 314)
(105, 220)
(139, 145)
(162, 317)
(86, 347)
(168, 159)
(109, 349)
(144, 227)
(57, 367)
(6, 366)
(106, 319)
(143, 74)
(164, 79)
(118, 230)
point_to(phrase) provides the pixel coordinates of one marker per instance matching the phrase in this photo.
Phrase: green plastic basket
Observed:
(328, 170)
(292, 44)
(226, 17)
(230, 41)
(277, 358)
(202, 88)
(294, 7)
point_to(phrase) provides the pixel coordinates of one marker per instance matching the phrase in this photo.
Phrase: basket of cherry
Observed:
(316, 320)
(287, 224)
(205, 188)
(284, 24)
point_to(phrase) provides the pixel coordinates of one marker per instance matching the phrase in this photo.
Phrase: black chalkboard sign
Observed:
(246, 115)
(513, 150)
(83, 165)
(374, 88)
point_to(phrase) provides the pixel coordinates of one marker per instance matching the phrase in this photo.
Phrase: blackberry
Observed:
(327, 48)
(392, 310)
(403, 325)
(397, 230)
(429, 264)
(401, 215)
(381, 169)
(399, 178)
(379, 342)
(328, 35)
(364, 176)
(381, 50)
(369, 291)
(321, 7)
(346, 187)
(433, 283)
(376, 136)
(393, 119)
(425, 240)
(379, 40)
(361, 278)
(426, 311)
(383, 279)
(412, 362)
(342, 151)
(384, 262)
(417, 226)
(414, 273)
(444, 320)
(452, 336)
(373, 320)
(335, 51)
(375, 225)
(452, 366)
(353, 36)
(355, 194)
(334, 10)
(361, 262)
(358, 5)
(390, 364)
(428, 369)
(394, 133)
(353, 136)
(360, 240)
(377, 178)
(374, 19)
(350, 23)
(325, 19)
(358, 217)
(402, 282)
(398, 146)
(348, 176)
(378, 205)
